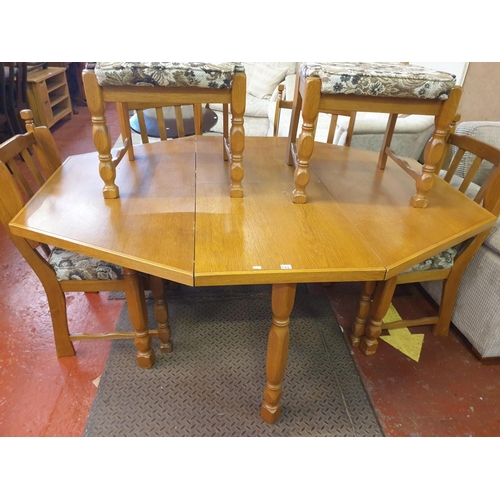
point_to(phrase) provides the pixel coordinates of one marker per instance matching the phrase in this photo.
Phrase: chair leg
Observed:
(161, 313)
(123, 118)
(436, 148)
(389, 132)
(100, 133)
(58, 312)
(225, 130)
(136, 301)
(294, 122)
(198, 119)
(447, 305)
(237, 139)
(55, 296)
(305, 147)
(380, 306)
(364, 305)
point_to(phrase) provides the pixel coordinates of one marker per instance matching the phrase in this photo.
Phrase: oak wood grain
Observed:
(151, 225)
(176, 220)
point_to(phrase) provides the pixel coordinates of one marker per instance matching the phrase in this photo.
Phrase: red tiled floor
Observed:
(447, 393)
(40, 394)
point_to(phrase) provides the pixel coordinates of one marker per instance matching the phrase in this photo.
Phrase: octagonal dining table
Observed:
(175, 219)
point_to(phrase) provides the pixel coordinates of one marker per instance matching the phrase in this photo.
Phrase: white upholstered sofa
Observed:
(477, 309)
(263, 79)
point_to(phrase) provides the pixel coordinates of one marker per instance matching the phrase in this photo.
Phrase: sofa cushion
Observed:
(266, 76)
(380, 79)
(253, 106)
(477, 308)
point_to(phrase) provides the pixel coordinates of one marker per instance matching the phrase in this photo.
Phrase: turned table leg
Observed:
(161, 313)
(381, 303)
(136, 301)
(283, 297)
(364, 305)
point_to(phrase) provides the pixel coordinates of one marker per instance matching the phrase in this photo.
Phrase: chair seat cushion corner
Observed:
(380, 79)
(73, 266)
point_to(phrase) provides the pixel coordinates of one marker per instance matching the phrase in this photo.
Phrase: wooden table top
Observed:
(175, 218)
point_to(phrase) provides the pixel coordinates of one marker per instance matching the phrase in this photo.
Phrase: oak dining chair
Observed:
(26, 163)
(393, 88)
(148, 85)
(448, 266)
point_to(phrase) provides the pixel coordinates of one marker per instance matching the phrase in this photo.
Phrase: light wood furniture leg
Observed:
(100, 133)
(283, 297)
(436, 148)
(364, 306)
(136, 301)
(451, 285)
(225, 130)
(294, 123)
(389, 132)
(447, 305)
(123, 119)
(237, 138)
(198, 118)
(55, 298)
(380, 306)
(305, 146)
(161, 313)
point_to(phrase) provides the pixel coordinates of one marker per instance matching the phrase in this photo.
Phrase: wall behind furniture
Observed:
(481, 93)
(481, 88)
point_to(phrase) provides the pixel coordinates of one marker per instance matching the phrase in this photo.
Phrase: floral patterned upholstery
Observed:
(443, 260)
(380, 79)
(74, 266)
(167, 74)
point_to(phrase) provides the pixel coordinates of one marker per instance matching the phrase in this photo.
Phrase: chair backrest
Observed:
(489, 193)
(26, 162)
(485, 131)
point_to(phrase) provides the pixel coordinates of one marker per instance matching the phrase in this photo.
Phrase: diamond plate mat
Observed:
(212, 383)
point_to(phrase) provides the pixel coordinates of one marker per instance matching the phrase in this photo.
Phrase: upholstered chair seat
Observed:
(74, 266)
(140, 86)
(341, 88)
(380, 79)
(168, 74)
(443, 260)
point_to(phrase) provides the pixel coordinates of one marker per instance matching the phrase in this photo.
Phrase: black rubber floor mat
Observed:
(212, 383)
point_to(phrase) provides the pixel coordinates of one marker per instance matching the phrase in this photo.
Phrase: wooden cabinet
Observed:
(48, 95)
